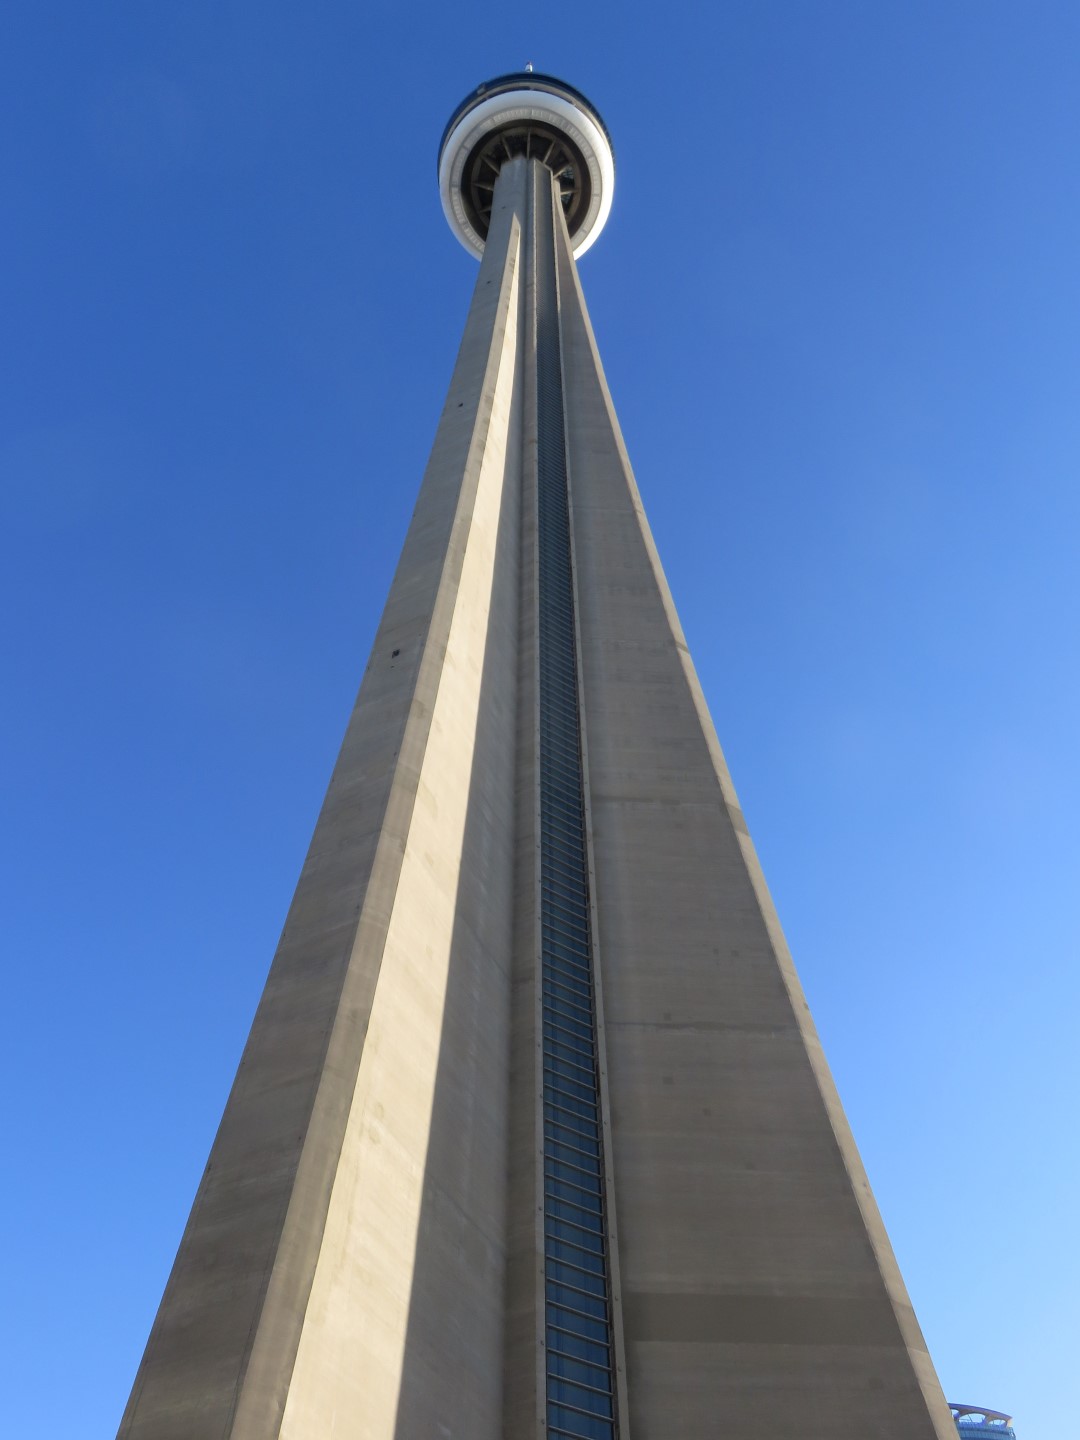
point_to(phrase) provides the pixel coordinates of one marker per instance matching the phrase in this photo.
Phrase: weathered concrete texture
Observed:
(758, 1283)
(326, 1196)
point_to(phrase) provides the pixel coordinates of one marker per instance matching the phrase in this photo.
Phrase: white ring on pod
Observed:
(523, 105)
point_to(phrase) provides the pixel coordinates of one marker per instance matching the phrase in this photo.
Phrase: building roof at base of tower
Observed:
(978, 1419)
(526, 114)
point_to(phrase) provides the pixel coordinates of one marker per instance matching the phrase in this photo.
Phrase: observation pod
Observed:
(541, 118)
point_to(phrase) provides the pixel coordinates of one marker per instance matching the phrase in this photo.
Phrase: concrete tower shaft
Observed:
(532, 1136)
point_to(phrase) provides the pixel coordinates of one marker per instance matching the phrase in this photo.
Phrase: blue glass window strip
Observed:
(566, 1296)
(580, 1369)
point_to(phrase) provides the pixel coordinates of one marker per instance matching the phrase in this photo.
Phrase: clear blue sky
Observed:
(837, 299)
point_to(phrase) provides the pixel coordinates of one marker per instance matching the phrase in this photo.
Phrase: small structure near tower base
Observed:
(975, 1422)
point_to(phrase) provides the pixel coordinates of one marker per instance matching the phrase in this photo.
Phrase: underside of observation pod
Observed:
(539, 117)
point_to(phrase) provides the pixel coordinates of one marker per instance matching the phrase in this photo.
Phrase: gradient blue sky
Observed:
(837, 300)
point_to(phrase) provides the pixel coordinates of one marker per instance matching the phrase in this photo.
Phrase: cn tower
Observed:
(533, 1135)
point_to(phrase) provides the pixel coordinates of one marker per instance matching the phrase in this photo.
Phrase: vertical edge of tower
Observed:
(524, 1396)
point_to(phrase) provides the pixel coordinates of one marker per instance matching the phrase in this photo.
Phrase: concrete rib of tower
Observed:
(532, 1134)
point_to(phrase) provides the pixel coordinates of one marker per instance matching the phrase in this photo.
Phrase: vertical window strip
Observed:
(581, 1398)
